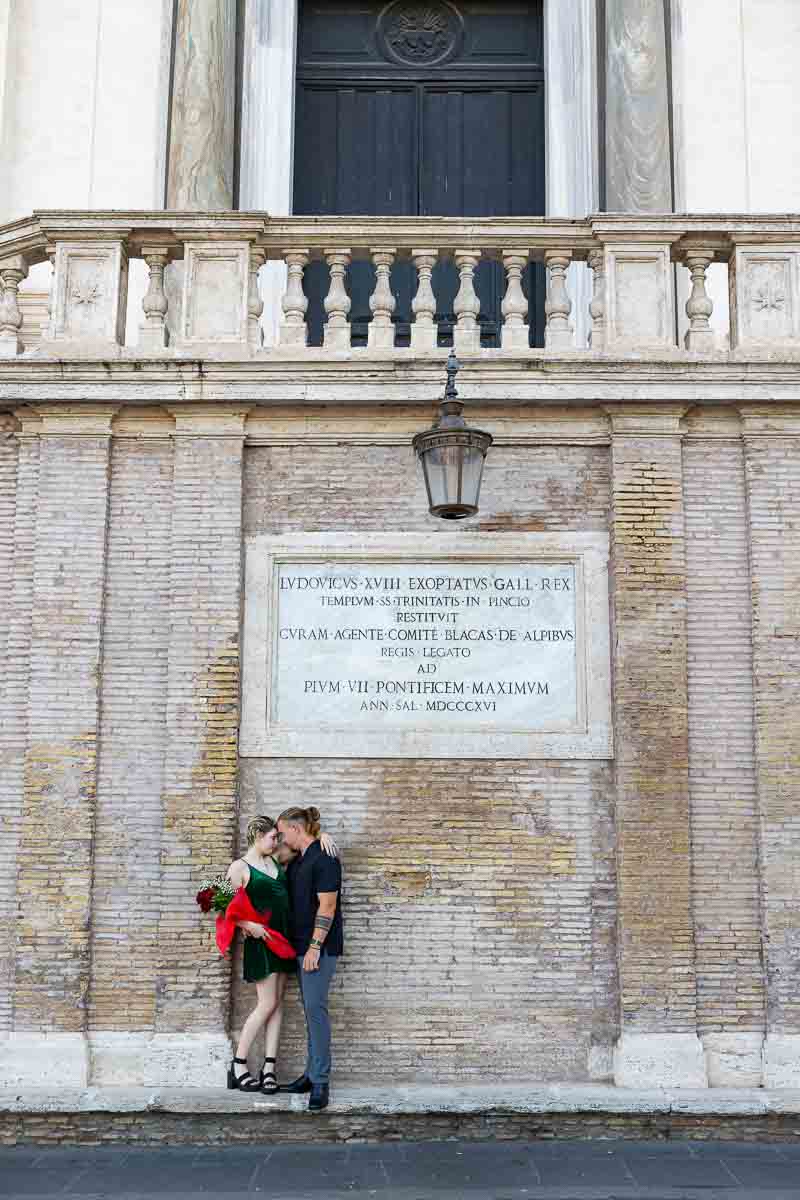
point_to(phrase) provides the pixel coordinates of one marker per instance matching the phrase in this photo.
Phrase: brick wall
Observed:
(380, 489)
(202, 702)
(480, 914)
(9, 794)
(482, 898)
(722, 781)
(772, 459)
(59, 787)
(651, 724)
(128, 827)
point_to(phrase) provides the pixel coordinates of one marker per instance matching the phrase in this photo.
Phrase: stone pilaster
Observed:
(200, 169)
(61, 577)
(658, 1044)
(772, 473)
(8, 487)
(202, 717)
(17, 507)
(638, 152)
(130, 787)
(722, 777)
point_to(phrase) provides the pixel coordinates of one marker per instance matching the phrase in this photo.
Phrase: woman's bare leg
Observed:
(274, 1022)
(267, 992)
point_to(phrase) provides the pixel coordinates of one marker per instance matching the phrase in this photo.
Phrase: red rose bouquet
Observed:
(218, 895)
(215, 894)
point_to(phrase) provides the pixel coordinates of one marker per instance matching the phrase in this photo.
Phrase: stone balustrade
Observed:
(216, 306)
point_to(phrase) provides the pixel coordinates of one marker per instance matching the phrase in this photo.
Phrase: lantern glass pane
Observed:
(444, 474)
(471, 476)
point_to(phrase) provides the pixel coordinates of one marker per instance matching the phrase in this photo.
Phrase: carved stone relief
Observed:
(420, 34)
(765, 296)
(86, 290)
(90, 291)
(768, 291)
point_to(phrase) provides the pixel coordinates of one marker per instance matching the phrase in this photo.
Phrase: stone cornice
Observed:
(208, 420)
(666, 420)
(88, 420)
(515, 425)
(397, 426)
(353, 380)
(761, 420)
(30, 236)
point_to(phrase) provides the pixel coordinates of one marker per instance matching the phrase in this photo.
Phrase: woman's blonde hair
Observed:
(257, 827)
(307, 817)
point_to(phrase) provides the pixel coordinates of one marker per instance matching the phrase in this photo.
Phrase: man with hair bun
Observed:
(315, 883)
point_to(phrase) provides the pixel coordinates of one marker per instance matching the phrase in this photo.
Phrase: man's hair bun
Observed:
(312, 821)
(309, 818)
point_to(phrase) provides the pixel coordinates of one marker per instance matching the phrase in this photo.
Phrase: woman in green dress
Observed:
(264, 880)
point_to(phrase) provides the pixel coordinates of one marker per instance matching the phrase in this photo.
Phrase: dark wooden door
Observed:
(420, 108)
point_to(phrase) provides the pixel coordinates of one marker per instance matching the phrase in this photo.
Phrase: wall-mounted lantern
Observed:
(452, 456)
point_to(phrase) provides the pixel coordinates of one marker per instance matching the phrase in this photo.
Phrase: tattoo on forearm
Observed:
(322, 927)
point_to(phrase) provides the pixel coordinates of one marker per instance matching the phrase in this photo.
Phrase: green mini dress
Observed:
(267, 895)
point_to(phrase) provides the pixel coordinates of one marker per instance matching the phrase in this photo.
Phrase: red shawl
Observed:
(241, 909)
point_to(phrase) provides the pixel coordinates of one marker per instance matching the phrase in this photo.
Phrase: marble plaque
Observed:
(373, 647)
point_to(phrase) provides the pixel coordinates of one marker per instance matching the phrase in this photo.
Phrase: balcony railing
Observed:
(213, 304)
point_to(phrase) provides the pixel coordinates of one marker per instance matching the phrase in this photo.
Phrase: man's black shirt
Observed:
(313, 872)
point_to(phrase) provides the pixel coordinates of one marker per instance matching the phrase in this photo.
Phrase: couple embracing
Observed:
(292, 870)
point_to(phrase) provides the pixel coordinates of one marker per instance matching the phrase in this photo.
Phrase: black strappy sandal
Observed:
(269, 1081)
(241, 1083)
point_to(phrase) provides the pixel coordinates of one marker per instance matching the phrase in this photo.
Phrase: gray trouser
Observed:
(314, 987)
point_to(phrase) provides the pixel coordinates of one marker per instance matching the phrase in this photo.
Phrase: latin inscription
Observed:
(416, 645)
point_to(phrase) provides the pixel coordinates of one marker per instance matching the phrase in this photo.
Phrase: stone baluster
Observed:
(12, 273)
(153, 330)
(559, 334)
(467, 333)
(514, 306)
(294, 331)
(382, 303)
(699, 307)
(423, 306)
(255, 305)
(337, 302)
(597, 307)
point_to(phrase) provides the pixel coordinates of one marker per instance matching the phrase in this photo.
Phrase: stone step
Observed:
(415, 1113)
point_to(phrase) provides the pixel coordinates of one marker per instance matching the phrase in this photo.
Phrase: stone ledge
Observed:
(206, 1117)
(520, 1099)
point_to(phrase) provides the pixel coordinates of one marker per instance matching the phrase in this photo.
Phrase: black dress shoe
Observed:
(303, 1084)
(320, 1095)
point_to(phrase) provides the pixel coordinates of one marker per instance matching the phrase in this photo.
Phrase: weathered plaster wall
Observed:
(738, 142)
(85, 113)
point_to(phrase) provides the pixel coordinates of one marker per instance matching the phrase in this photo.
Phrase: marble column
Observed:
(268, 93)
(638, 151)
(572, 149)
(201, 144)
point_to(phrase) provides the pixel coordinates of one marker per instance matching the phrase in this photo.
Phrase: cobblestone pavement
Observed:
(563, 1170)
